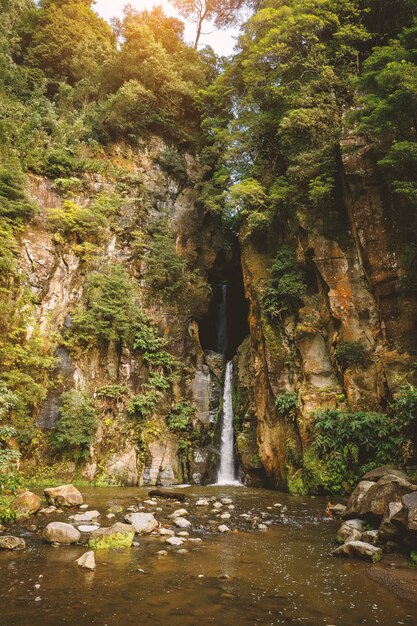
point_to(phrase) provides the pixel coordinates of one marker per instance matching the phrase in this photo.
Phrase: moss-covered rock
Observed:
(117, 536)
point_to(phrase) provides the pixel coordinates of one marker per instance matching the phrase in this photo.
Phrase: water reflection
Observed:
(282, 576)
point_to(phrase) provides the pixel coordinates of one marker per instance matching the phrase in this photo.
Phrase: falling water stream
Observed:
(227, 475)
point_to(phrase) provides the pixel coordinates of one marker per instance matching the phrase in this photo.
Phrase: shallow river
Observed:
(284, 575)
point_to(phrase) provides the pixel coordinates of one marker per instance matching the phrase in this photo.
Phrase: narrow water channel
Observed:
(283, 575)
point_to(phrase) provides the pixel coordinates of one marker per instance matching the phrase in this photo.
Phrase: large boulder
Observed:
(356, 498)
(359, 549)
(59, 532)
(26, 504)
(375, 499)
(63, 496)
(384, 470)
(117, 536)
(143, 523)
(410, 503)
(8, 542)
(388, 528)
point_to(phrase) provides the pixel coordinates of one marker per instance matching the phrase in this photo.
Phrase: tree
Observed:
(223, 14)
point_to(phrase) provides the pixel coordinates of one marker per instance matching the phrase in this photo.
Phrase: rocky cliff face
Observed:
(353, 295)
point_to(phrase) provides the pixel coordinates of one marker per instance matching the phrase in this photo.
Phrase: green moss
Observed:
(413, 557)
(116, 540)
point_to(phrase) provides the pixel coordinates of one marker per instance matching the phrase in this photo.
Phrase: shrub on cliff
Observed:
(77, 425)
(287, 285)
(350, 353)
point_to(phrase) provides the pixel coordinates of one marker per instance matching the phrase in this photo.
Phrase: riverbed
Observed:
(282, 575)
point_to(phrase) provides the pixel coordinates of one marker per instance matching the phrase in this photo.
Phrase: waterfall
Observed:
(222, 339)
(226, 475)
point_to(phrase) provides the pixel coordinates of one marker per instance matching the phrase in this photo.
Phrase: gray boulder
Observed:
(384, 470)
(375, 499)
(59, 532)
(63, 496)
(359, 549)
(143, 523)
(355, 500)
(8, 542)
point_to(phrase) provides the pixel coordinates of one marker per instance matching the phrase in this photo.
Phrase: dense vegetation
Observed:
(267, 127)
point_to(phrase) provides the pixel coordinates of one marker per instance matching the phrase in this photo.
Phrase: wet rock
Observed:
(359, 549)
(378, 497)
(63, 496)
(223, 528)
(8, 542)
(225, 516)
(217, 505)
(384, 470)
(61, 533)
(88, 528)
(387, 528)
(410, 503)
(181, 522)
(117, 536)
(371, 536)
(83, 506)
(226, 501)
(26, 504)
(87, 560)
(88, 516)
(143, 523)
(356, 498)
(166, 532)
(347, 532)
(162, 553)
(183, 533)
(202, 502)
(262, 527)
(174, 541)
(337, 509)
(178, 513)
(48, 510)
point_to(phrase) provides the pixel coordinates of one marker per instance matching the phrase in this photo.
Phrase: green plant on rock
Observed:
(112, 392)
(181, 417)
(287, 404)
(287, 285)
(7, 514)
(349, 444)
(143, 406)
(350, 353)
(74, 433)
(9, 459)
(173, 163)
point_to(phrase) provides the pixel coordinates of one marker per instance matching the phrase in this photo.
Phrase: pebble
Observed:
(202, 502)
(183, 533)
(226, 501)
(83, 506)
(136, 544)
(182, 551)
(110, 515)
(217, 505)
(166, 532)
(223, 528)
(88, 528)
(174, 541)
(38, 599)
(262, 527)
(225, 516)
(162, 553)
(195, 540)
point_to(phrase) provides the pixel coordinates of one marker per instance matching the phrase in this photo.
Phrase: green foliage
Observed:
(143, 406)
(181, 417)
(350, 353)
(349, 444)
(9, 457)
(109, 312)
(287, 404)
(7, 514)
(15, 205)
(173, 163)
(77, 425)
(168, 274)
(287, 285)
(405, 408)
(112, 392)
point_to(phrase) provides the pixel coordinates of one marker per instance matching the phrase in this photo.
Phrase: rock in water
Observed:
(167, 493)
(223, 528)
(26, 504)
(85, 517)
(87, 560)
(117, 536)
(8, 542)
(181, 522)
(174, 541)
(59, 532)
(359, 549)
(88, 528)
(65, 495)
(179, 513)
(143, 523)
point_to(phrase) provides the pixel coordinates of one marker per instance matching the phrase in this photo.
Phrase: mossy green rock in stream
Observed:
(117, 536)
